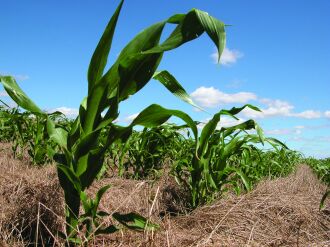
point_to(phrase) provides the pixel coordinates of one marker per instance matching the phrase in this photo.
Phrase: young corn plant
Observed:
(210, 169)
(28, 134)
(257, 163)
(82, 147)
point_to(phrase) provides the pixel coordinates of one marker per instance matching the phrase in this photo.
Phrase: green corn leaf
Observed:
(247, 125)
(100, 56)
(214, 28)
(130, 61)
(191, 26)
(71, 176)
(243, 177)
(155, 115)
(275, 142)
(135, 221)
(135, 72)
(17, 94)
(85, 144)
(174, 86)
(58, 135)
(324, 197)
(85, 201)
(100, 193)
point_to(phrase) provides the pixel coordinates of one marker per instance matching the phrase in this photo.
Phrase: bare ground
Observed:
(281, 212)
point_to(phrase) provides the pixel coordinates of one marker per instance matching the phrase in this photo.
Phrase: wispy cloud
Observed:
(297, 130)
(212, 97)
(228, 56)
(309, 114)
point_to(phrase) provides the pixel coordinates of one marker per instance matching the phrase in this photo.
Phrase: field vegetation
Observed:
(191, 167)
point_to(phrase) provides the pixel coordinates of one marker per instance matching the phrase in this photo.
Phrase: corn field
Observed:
(207, 163)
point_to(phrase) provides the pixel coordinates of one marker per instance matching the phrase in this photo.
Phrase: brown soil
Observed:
(281, 212)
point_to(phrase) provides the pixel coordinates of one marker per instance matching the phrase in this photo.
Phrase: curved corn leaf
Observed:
(155, 115)
(324, 197)
(190, 26)
(174, 86)
(17, 94)
(99, 195)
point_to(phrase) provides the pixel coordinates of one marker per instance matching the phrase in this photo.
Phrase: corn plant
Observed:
(83, 147)
(28, 134)
(149, 149)
(258, 163)
(207, 171)
(210, 168)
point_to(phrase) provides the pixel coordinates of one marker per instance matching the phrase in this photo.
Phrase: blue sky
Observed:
(277, 58)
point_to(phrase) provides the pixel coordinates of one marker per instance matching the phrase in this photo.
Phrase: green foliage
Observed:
(257, 164)
(28, 134)
(209, 168)
(147, 151)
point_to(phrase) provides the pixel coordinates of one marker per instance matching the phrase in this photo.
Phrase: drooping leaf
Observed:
(17, 94)
(174, 86)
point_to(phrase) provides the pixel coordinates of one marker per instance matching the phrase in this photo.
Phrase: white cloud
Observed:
(130, 118)
(327, 114)
(228, 56)
(309, 114)
(212, 97)
(3, 94)
(224, 122)
(277, 108)
(273, 108)
(309, 140)
(66, 111)
(278, 132)
(297, 130)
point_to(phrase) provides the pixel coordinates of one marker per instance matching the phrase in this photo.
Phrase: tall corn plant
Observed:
(83, 147)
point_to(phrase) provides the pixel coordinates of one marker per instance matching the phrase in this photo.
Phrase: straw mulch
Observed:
(280, 212)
